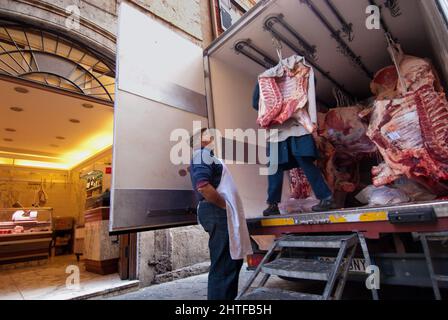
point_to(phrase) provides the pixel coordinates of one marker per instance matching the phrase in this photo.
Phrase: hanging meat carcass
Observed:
(284, 93)
(341, 135)
(412, 136)
(410, 126)
(337, 180)
(347, 133)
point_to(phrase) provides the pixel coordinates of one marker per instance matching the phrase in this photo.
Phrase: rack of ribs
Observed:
(411, 134)
(285, 97)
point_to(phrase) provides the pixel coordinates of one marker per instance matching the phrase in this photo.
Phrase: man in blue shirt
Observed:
(206, 173)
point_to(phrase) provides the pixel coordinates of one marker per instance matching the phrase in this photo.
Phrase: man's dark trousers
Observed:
(224, 272)
(297, 152)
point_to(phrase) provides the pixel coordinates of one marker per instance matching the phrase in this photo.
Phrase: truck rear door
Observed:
(159, 88)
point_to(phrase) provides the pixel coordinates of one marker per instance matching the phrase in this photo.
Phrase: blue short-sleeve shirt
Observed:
(205, 169)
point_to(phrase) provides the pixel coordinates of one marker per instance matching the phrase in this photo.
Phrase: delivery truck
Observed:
(165, 82)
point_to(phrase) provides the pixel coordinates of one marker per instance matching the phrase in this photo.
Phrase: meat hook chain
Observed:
(394, 49)
(343, 47)
(278, 47)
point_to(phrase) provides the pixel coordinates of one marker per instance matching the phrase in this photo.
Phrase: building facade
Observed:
(92, 24)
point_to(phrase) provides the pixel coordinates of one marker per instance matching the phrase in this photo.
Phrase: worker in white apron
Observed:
(221, 214)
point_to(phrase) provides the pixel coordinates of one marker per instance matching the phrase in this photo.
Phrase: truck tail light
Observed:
(254, 260)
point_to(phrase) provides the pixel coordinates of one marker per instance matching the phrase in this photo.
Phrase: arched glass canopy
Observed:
(49, 59)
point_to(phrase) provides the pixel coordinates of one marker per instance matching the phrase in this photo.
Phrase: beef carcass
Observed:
(284, 94)
(341, 139)
(412, 136)
(300, 187)
(347, 133)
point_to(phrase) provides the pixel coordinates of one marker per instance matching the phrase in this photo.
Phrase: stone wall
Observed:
(97, 19)
(183, 14)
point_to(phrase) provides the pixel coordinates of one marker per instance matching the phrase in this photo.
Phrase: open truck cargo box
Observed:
(164, 83)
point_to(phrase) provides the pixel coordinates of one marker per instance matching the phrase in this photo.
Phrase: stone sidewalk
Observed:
(195, 288)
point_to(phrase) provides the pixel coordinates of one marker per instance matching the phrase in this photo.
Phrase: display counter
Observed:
(25, 234)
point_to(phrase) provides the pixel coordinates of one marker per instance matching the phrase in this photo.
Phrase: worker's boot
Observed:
(272, 210)
(325, 205)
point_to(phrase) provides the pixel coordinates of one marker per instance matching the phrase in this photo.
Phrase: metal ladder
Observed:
(435, 278)
(334, 273)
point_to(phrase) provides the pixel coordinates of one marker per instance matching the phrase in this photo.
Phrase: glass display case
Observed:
(25, 234)
(16, 221)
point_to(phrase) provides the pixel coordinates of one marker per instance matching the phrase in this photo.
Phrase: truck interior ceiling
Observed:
(345, 52)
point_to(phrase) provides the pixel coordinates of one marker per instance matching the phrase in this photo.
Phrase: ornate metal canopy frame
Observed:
(48, 58)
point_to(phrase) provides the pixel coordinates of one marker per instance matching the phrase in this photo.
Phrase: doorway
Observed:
(56, 136)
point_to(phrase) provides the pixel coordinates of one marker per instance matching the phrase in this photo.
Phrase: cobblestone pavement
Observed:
(195, 288)
(192, 288)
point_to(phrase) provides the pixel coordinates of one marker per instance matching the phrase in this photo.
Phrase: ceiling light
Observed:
(10, 130)
(8, 140)
(60, 138)
(74, 121)
(16, 109)
(6, 161)
(87, 105)
(40, 164)
(21, 90)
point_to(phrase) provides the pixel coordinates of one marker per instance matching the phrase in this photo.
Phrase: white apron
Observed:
(239, 239)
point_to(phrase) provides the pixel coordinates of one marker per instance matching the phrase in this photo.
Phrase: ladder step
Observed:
(299, 268)
(278, 294)
(441, 278)
(333, 242)
(435, 236)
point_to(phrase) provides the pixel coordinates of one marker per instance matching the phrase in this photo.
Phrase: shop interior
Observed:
(56, 134)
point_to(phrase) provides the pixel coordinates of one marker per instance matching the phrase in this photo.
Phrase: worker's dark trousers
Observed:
(224, 272)
(312, 173)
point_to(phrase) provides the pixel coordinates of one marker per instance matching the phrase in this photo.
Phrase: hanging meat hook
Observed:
(394, 50)
(278, 47)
